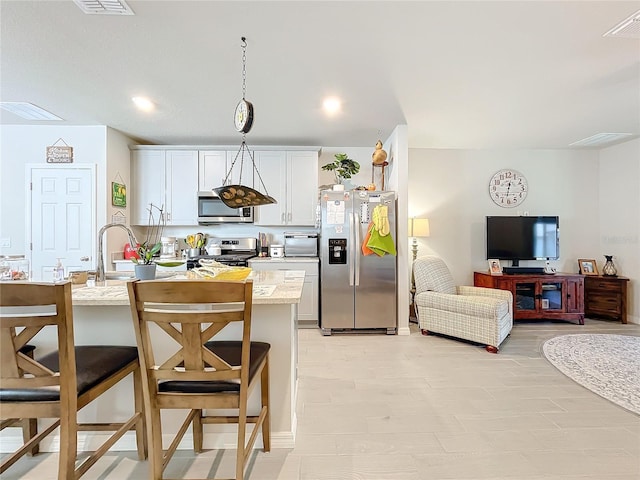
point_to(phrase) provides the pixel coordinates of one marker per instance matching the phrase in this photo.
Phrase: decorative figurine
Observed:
(379, 156)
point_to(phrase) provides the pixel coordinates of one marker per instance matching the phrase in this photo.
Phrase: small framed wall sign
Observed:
(494, 266)
(59, 153)
(118, 194)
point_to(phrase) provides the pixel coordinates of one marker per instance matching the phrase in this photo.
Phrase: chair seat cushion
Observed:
(485, 307)
(94, 363)
(230, 351)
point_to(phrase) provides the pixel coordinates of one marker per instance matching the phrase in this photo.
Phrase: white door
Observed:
(62, 222)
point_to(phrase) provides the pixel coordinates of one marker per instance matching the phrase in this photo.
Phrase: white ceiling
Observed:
(477, 74)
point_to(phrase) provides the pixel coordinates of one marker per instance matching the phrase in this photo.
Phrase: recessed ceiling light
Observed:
(144, 104)
(28, 111)
(104, 7)
(331, 105)
(600, 139)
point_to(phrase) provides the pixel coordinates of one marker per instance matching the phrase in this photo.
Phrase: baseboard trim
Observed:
(89, 441)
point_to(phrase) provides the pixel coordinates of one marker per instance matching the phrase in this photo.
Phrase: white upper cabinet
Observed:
(147, 183)
(212, 168)
(214, 165)
(169, 180)
(291, 177)
(171, 177)
(302, 193)
(181, 187)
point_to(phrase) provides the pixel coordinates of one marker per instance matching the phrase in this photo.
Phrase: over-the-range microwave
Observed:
(211, 210)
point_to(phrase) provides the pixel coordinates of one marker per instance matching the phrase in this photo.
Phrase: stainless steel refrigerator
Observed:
(357, 291)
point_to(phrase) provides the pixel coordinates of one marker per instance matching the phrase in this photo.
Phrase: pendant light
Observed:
(238, 195)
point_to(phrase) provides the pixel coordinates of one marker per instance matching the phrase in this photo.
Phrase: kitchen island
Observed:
(102, 315)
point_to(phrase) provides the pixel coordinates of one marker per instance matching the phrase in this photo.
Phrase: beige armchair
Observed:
(482, 315)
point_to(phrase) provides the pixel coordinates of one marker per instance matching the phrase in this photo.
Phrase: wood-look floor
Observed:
(393, 408)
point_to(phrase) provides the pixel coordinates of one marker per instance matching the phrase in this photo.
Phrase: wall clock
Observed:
(508, 188)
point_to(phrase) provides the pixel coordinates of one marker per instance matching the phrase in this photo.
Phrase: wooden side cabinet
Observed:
(540, 297)
(606, 297)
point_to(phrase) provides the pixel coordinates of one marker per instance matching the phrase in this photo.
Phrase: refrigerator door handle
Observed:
(350, 257)
(356, 246)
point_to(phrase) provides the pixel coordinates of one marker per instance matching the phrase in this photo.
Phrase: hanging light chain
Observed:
(244, 67)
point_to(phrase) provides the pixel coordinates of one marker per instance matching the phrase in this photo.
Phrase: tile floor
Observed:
(415, 408)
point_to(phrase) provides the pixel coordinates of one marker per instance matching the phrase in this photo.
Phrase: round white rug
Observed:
(608, 365)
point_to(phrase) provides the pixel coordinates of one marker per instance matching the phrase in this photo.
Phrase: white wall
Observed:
(619, 223)
(450, 187)
(102, 146)
(117, 169)
(21, 145)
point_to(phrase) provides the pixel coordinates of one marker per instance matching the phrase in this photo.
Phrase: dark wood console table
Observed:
(606, 297)
(540, 297)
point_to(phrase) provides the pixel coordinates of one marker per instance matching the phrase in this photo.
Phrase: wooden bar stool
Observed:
(60, 383)
(201, 373)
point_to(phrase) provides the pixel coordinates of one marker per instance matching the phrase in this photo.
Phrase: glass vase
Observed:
(609, 269)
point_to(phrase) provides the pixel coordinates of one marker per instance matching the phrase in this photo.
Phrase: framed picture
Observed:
(587, 266)
(118, 194)
(494, 266)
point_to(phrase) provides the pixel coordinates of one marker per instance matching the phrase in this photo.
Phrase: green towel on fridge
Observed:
(381, 244)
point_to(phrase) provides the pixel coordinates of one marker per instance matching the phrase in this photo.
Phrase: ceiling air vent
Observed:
(629, 27)
(28, 111)
(600, 139)
(104, 7)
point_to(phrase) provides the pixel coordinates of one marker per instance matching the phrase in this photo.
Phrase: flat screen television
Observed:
(523, 238)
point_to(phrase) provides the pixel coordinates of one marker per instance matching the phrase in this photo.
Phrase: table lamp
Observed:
(418, 227)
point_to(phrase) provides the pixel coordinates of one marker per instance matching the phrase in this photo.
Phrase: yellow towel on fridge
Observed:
(380, 218)
(380, 240)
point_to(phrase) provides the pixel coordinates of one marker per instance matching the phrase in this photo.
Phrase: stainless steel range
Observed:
(233, 251)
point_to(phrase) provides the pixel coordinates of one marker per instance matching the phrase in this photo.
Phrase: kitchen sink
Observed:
(119, 276)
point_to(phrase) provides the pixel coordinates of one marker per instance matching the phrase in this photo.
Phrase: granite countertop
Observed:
(270, 287)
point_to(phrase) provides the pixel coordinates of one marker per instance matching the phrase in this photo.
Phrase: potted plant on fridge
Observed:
(342, 167)
(145, 265)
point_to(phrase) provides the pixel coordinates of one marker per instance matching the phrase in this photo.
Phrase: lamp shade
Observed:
(418, 227)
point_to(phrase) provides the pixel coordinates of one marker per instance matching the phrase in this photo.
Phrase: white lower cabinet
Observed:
(309, 307)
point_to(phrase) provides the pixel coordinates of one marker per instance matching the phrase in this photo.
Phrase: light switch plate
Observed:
(5, 242)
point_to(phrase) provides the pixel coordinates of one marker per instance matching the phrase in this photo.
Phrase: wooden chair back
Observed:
(26, 308)
(50, 388)
(201, 373)
(191, 313)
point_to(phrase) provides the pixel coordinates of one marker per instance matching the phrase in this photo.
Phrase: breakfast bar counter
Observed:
(102, 315)
(270, 288)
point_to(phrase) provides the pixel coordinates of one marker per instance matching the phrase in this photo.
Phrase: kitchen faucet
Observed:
(100, 276)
